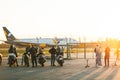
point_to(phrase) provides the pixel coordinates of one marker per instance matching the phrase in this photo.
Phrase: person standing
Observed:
(107, 55)
(100, 56)
(33, 52)
(52, 51)
(98, 52)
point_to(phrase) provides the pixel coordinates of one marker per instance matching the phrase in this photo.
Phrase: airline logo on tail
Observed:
(56, 41)
(8, 35)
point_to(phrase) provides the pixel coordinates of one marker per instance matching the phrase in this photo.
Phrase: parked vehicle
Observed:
(12, 59)
(41, 59)
(60, 60)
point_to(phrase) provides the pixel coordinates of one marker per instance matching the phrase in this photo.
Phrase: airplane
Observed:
(43, 42)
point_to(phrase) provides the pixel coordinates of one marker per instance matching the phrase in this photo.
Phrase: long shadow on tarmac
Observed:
(113, 74)
(93, 73)
(97, 73)
(24, 72)
(82, 74)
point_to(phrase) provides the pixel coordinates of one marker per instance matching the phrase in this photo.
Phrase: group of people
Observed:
(34, 52)
(98, 51)
(31, 51)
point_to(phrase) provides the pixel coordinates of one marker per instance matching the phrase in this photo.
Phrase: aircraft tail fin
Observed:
(8, 34)
(55, 41)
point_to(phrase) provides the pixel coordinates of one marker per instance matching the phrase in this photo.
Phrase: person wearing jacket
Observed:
(107, 55)
(53, 51)
(98, 52)
(33, 52)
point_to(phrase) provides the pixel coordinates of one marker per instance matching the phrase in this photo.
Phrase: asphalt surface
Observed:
(73, 69)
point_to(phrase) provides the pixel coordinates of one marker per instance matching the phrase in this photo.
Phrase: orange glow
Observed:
(42, 45)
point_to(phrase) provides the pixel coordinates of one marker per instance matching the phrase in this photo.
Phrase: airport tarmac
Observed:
(73, 69)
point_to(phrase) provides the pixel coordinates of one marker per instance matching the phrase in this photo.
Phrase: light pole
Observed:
(67, 47)
(84, 48)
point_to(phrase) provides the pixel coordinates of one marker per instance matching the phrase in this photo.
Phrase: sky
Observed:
(79, 19)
